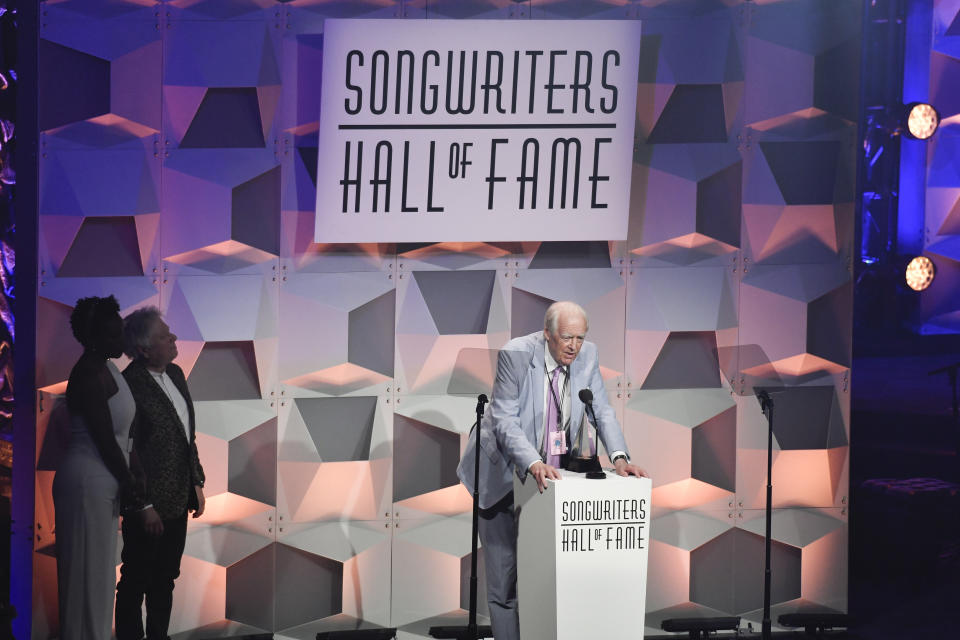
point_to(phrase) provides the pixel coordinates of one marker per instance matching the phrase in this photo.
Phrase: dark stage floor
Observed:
(904, 547)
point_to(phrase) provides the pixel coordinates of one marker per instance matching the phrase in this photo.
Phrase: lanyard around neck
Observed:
(558, 402)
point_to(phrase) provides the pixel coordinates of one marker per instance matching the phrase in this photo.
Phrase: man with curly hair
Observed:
(165, 447)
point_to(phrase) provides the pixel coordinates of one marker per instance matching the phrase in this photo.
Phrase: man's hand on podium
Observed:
(624, 468)
(541, 471)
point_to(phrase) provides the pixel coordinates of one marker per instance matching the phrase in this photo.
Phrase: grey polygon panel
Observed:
(425, 458)
(228, 117)
(482, 607)
(945, 96)
(56, 438)
(302, 586)
(252, 464)
(341, 428)
(308, 156)
(463, 8)
(57, 349)
(727, 572)
(688, 360)
(309, 57)
(309, 587)
(407, 247)
(103, 247)
(255, 212)
(951, 222)
(473, 372)
(954, 28)
(805, 172)
(73, 85)
(693, 113)
(807, 418)
(718, 205)
(526, 312)
(828, 325)
(370, 337)
(458, 301)
(225, 371)
(575, 254)
(713, 455)
(250, 589)
(836, 80)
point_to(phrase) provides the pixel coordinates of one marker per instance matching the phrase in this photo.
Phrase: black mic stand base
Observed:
(461, 632)
(590, 466)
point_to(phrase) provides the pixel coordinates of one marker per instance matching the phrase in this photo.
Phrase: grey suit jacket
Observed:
(508, 436)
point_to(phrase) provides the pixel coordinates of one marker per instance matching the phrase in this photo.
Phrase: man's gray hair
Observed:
(137, 329)
(564, 307)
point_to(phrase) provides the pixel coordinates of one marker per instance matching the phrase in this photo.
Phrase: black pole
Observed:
(766, 405)
(472, 631)
(472, 624)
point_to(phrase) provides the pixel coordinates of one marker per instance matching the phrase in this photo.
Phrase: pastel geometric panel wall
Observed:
(439, 314)
(337, 331)
(679, 404)
(334, 441)
(939, 310)
(221, 96)
(687, 169)
(335, 385)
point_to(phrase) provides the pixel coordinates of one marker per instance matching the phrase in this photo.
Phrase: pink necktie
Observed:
(553, 419)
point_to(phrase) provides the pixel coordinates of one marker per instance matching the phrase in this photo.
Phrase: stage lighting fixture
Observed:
(920, 273)
(814, 624)
(359, 634)
(701, 627)
(461, 631)
(922, 120)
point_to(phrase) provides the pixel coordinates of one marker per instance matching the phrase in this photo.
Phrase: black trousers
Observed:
(150, 565)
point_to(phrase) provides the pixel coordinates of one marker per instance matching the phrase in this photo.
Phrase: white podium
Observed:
(582, 557)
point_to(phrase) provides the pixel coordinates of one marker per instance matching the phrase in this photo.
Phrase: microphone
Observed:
(586, 397)
(590, 465)
(481, 400)
(766, 402)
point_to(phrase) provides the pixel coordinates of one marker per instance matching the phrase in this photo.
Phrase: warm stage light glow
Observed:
(922, 120)
(920, 273)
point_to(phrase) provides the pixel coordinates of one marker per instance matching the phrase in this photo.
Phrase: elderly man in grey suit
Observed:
(535, 416)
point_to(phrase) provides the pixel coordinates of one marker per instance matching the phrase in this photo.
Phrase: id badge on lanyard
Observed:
(558, 439)
(558, 443)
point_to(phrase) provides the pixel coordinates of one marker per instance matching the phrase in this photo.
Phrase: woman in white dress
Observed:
(93, 474)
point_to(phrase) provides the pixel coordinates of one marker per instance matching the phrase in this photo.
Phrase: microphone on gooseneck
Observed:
(586, 397)
(592, 469)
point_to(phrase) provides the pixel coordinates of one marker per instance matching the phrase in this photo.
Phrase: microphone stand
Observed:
(471, 631)
(766, 405)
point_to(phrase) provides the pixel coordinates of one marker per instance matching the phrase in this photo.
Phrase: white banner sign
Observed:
(476, 130)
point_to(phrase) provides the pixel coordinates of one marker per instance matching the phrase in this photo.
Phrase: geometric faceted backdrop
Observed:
(940, 303)
(334, 384)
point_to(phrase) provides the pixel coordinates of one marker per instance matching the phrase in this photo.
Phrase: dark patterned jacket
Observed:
(168, 460)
